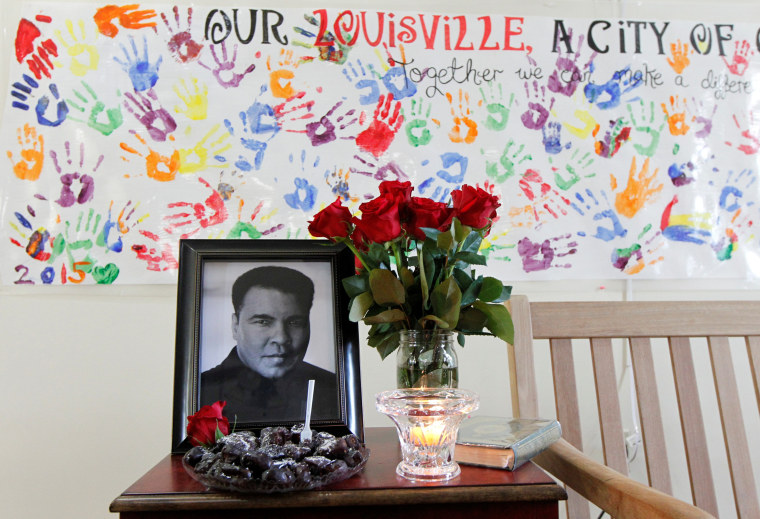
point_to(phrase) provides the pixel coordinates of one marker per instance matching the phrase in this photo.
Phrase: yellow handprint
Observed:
(201, 152)
(79, 48)
(195, 99)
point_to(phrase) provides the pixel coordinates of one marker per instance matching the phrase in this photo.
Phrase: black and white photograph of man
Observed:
(261, 361)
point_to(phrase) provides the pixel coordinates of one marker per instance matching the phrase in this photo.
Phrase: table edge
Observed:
(324, 498)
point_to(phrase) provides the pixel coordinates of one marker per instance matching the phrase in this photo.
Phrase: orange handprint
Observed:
(680, 53)
(455, 135)
(32, 153)
(676, 120)
(129, 20)
(640, 189)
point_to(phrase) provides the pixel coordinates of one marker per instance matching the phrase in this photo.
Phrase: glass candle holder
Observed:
(427, 421)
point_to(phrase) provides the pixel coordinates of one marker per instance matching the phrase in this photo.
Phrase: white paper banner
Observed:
(619, 148)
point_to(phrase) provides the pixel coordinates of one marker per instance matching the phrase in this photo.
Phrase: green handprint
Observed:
(96, 106)
(508, 160)
(646, 125)
(574, 167)
(422, 115)
(498, 113)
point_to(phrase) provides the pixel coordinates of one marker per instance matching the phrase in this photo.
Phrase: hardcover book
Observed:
(502, 442)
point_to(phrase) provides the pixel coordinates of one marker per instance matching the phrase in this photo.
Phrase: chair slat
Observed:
(613, 441)
(568, 414)
(733, 428)
(649, 412)
(524, 401)
(753, 352)
(702, 486)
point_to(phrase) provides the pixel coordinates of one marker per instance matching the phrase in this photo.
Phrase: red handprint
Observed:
(193, 217)
(159, 257)
(740, 60)
(40, 63)
(383, 127)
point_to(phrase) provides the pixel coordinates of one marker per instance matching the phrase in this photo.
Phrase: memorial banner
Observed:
(618, 148)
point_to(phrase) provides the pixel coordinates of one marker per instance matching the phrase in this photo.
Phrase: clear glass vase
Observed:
(427, 359)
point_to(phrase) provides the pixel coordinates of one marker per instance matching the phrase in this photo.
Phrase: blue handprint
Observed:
(363, 80)
(142, 73)
(552, 139)
(259, 119)
(622, 82)
(61, 108)
(22, 91)
(408, 88)
(592, 203)
(303, 197)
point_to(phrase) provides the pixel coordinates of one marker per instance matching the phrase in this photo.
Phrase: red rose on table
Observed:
(331, 222)
(423, 212)
(380, 221)
(400, 191)
(202, 426)
(474, 206)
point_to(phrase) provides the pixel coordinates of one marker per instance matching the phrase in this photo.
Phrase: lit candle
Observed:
(427, 435)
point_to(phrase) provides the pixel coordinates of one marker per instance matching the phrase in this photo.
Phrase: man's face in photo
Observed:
(271, 330)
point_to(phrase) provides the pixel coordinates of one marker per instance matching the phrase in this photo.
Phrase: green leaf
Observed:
(355, 285)
(385, 344)
(359, 306)
(386, 288)
(407, 277)
(470, 257)
(445, 241)
(461, 232)
(499, 321)
(437, 320)
(464, 279)
(445, 299)
(471, 320)
(472, 242)
(379, 256)
(430, 232)
(506, 293)
(490, 290)
(389, 316)
(218, 434)
(426, 262)
(471, 294)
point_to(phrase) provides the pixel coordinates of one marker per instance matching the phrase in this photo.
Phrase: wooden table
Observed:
(167, 491)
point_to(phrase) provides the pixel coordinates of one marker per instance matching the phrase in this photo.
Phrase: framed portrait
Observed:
(256, 321)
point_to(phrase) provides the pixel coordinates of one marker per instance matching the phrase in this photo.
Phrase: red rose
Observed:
(424, 212)
(331, 222)
(202, 426)
(400, 191)
(380, 221)
(474, 206)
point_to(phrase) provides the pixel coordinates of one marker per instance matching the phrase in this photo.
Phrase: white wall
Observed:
(87, 372)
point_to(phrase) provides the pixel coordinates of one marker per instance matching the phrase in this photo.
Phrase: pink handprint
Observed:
(542, 195)
(192, 217)
(383, 127)
(156, 119)
(751, 133)
(292, 111)
(740, 59)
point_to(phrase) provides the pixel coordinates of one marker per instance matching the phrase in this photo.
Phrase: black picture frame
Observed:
(202, 260)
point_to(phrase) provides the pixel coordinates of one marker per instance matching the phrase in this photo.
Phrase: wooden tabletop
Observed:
(167, 486)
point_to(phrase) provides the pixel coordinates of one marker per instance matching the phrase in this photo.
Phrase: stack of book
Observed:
(502, 442)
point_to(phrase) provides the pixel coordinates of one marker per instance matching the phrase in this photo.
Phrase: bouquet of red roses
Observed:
(414, 264)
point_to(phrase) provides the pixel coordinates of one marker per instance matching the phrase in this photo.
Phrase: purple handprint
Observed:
(325, 130)
(537, 114)
(156, 119)
(540, 256)
(74, 174)
(567, 75)
(224, 68)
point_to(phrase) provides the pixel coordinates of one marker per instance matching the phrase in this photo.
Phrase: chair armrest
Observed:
(620, 496)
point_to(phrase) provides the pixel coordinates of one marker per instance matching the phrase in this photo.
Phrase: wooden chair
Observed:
(602, 325)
